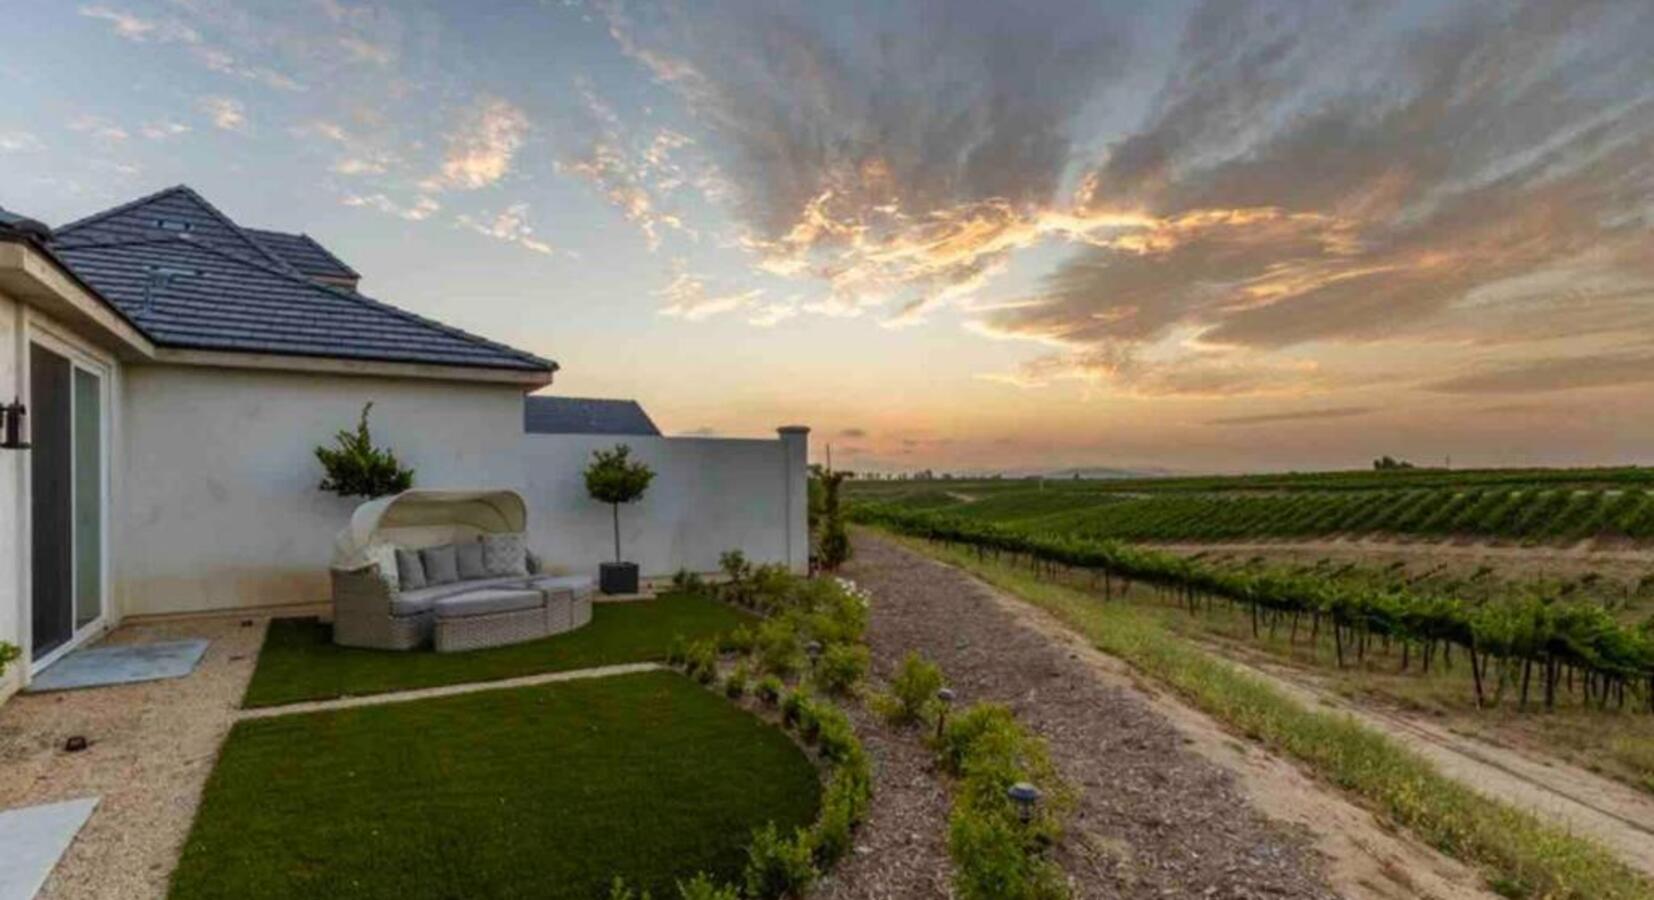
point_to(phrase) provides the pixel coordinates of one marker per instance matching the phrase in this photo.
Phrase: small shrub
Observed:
(702, 888)
(778, 866)
(687, 582)
(772, 585)
(740, 639)
(842, 667)
(793, 707)
(834, 549)
(912, 691)
(981, 732)
(734, 565)
(735, 686)
(996, 854)
(619, 890)
(8, 655)
(834, 611)
(779, 648)
(830, 837)
(356, 468)
(993, 859)
(769, 689)
(835, 738)
(677, 652)
(702, 661)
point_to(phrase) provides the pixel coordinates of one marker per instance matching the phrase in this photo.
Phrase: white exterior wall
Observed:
(709, 495)
(12, 513)
(221, 508)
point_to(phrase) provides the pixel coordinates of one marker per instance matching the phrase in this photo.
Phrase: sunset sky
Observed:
(1212, 236)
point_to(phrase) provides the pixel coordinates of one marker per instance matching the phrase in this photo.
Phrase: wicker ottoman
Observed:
(573, 592)
(491, 617)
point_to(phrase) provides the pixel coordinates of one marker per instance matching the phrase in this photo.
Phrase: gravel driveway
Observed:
(1154, 820)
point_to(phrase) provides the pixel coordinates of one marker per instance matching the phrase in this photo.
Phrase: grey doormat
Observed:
(32, 840)
(121, 664)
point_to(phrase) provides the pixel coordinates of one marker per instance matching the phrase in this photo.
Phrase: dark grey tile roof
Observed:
(302, 252)
(581, 415)
(191, 278)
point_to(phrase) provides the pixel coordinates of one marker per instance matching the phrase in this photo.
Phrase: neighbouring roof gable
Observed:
(305, 254)
(581, 415)
(191, 278)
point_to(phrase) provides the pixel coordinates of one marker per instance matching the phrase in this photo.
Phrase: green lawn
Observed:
(547, 791)
(300, 661)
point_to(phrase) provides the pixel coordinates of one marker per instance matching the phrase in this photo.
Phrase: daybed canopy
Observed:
(422, 517)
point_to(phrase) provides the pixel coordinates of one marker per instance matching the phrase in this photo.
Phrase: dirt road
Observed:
(1617, 816)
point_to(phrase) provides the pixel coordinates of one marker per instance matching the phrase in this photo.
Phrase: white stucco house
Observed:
(176, 370)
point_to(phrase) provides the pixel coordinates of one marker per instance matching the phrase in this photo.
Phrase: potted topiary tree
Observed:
(615, 478)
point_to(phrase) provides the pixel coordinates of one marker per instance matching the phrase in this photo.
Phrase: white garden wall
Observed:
(221, 508)
(12, 473)
(709, 495)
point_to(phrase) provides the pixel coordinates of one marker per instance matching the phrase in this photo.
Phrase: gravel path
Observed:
(1154, 820)
(901, 850)
(152, 746)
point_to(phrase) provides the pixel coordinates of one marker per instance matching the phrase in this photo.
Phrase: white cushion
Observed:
(504, 554)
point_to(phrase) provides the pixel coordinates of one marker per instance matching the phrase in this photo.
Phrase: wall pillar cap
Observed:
(793, 429)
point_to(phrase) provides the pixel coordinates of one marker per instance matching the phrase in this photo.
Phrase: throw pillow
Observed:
(469, 554)
(441, 564)
(504, 554)
(410, 571)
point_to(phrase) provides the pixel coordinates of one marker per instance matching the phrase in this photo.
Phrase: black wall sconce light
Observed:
(11, 425)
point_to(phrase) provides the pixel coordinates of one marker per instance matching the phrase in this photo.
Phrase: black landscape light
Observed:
(1025, 796)
(11, 425)
(813, 648)
(945, 695)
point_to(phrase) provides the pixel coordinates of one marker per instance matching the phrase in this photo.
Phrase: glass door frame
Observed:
(82, 358)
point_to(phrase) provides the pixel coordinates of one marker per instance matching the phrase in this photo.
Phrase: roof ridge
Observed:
(381, 305)
(195, 197)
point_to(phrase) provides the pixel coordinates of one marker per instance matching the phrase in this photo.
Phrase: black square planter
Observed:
(617, 578)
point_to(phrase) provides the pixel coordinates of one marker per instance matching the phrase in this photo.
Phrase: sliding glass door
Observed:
(67, 497)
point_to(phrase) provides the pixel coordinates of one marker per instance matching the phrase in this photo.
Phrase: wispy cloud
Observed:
(1561, 373)
(686, 297)
(99, 128)
(420, 209)
(365, 51)
(141, 30)
(482, 145)
(634, 177)
(1307, 415)
(20, 142)
(225, 63)
(510, 225)
(225, 113)
(164, 129)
